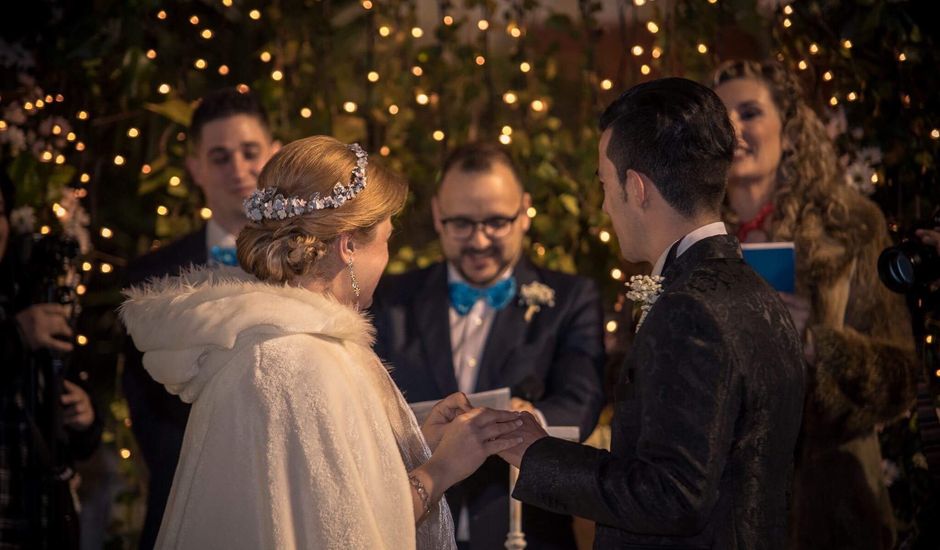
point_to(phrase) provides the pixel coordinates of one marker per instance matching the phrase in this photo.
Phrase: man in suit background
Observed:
(230, 143)
(466, 324)
(708, 404)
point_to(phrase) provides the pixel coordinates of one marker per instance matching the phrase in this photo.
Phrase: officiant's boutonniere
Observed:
(534, 296)
(644, 290)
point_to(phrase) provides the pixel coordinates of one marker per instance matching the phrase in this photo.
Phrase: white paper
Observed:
(494, 399)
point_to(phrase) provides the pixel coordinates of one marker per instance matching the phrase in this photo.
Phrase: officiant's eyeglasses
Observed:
(495, 227)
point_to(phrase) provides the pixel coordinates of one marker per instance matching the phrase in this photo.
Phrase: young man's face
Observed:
(226, 163)
(622, 212)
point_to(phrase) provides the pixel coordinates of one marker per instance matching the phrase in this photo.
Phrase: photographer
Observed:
(46, 421)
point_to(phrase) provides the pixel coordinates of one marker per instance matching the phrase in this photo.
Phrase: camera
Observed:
(911, 266)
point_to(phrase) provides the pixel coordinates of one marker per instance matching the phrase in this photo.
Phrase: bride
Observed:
(298, 438)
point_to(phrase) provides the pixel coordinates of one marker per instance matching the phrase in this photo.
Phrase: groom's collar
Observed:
(686, 242)
(717, 247)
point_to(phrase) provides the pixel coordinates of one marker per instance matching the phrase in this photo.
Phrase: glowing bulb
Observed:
(788, 10)
(161, 14)
(162, 210)
(205, 213)
(483, 24)
(81, 339)
(175, 181)
(80, 290)
(637, 50)
(802, 65)
(652, 27)
(639, 2)
(645, 69)
(515, 32)
(79, 146)
(509, 98)
(255, 14)
(506, 130)
(151, 54)
(350, 107)
(82, 115)
(145, 169)
(206, 33)
(384, 150)
(438, 135)
(118, 160)
(480, 60)
(393, 109)
(702, 48)
(813, 48)
(538, 105)
(125, 453)
(373, 76)
(306, 112)
(366, 4)
(60, 159)
(827, 76)
(616, 274)
(164, 88)
(847, 44)
(417, 32)
(531, 212)
(611, 326)
(525, 67)
(417, 71)
(85, 178)
(902, 57)
(223, 70)
(874, 178)
(106, 268)
(833, 101)
(384, 31)
(70, 136)
(604, 236)
(56, 129)
(194, 20)
(227, 3)
(277, 75)
(86, 266)
(935, 133)
(200, 64)
(657, 52)
(851, 96)
(606, 84)
(133, 132)
(448, 20)
(422, 99)
(787, 23)
(265, 56)
(505, 140)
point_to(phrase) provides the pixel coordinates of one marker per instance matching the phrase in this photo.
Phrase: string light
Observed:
(510, 98)
(265, 56)
(847, 44)
(827, 76)
(393, 109)
(59, 210)
(538, 105)
(833, 101)
(255, 14)
(851, 96)
(45, 230)
(712, 1)
(604, 236)
(373, 76)
(227, 3)
(161, 14)
(384, 150)
(366, 5)
(106, 267)
(639, 2)
(79, 146)
(616, 274)
(85, 178)
(28, 105)
(194, 19)
(164, 88)
(306, 112)
(874, 178)
(902, 57)
(480, 60)
(3, 125)
(82, 115)
(802, 65)
(276, 75)
(645, 69)
(448, 20)
(606, 84)
(417, 71)
(438, 135)
(813, 49)
(133, 132)
(417, 32)
(175, 181)
(70, 136)
(531, 212)
(86, 266)
(506, 130)
(637, 50)
(81, 339)
(611, 326)
(118, 160)
(56, 129)
(151, 54)
(162, 210)
(935, 134)
(350, 107)
(525, 67)
(125, 453)
(145, 169)
(49, 99)
(787, 23)
(206, 33)
(929, 339)
(200, 64)
(40, 103)
(652, 27)
(483, 24)
(702, 49)
(657, 52)
(80, 290)
(788, 10)
(515, 32)
(205, 213)
(60, 159)
(384, 31)
(505, 140)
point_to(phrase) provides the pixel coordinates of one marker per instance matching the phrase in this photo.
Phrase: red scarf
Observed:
(757, 222)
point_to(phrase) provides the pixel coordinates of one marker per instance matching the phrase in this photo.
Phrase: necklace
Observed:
(757, 222)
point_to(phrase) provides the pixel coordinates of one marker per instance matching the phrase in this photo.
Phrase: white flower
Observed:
(534, 296)
(645, 290)
(889, 472)
(23, 219)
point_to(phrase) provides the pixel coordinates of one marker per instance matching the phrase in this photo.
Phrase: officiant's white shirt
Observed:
(708, 230)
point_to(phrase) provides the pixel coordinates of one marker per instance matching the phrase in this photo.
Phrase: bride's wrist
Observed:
(434, 479)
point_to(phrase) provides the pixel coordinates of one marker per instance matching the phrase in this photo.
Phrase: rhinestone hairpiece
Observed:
(268, 204)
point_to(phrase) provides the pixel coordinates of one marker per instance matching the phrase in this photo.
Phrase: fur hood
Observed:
(188, 326)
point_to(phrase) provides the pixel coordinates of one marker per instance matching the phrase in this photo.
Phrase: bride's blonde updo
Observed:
(281, 251)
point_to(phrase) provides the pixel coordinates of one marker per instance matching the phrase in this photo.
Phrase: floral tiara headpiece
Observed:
(268, 204)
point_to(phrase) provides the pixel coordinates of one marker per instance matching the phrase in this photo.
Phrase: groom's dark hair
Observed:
(677, 133)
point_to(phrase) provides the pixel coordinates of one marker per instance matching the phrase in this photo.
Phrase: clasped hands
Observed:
(461, 437)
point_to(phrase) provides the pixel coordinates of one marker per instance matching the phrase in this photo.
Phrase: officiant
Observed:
(488, 318)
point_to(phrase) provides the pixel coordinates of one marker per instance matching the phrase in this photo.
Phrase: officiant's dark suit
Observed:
(553, 359)
(708, 402)
(231, 142)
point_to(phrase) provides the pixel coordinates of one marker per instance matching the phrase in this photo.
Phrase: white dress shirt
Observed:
(709, 230)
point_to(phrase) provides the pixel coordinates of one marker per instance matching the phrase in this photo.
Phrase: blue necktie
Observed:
(463, 296)
(224, 255)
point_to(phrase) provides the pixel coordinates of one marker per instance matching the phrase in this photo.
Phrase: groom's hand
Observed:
(443, 412)
(530, 432)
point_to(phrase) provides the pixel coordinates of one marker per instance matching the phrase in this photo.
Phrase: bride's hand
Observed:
(443, 413)
(469, 439)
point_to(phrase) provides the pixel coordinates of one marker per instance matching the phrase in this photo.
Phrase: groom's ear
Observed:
(636, 187)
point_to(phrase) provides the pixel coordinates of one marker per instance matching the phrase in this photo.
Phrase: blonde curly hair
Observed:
(282, 251)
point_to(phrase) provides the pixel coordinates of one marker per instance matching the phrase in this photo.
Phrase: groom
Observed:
(708, 404)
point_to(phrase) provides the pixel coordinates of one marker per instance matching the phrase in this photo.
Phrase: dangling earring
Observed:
(353, 279)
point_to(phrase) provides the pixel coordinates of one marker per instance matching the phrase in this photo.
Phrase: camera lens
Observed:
(908, 266)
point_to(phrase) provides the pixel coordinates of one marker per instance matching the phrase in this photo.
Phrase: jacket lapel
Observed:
(507, 333)
(431, 313)
(709, 248)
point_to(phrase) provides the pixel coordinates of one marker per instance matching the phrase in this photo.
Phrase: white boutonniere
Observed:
(534, 296)
(644, 290)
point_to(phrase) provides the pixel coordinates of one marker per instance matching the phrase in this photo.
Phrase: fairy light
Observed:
(787, 23)
(59, 210)
(81, 339)
(852, 96)
(162, 210)
(802, 65)
(384, 150)
(194, 19)
(506, 130)
(902, 57)
(639, 3)
(79, 146)
(118, 160)
(483, 24)
(788, 10)
(106, 267)
(146, 169)
(373, 76)
(652, 27)
(255, 14)
(448, 20)
(151, 54)
(56, 129)
(86, 266)
(82, 115)
(637, 50)
(515, 32)
(874, 178)
(538, 105)
(604, 236)
(366, 4)
(611, 326)
(28, 105)
(277, 75)
(929, 339)
(657, 52)
(133, 132)
(125, 453)
(531, 212)
(227, 3)
(206, 33)
(265, 56)
(305, 112)
(85, 178)
(200, 64)
(847, 44)
(645, 69)
(3, 125)
(525, 66)
(164, 88)
(510, 98)
(702, 49)
(223, 70)
(712, 1)
(80, 290)
(813, 48)
(827, 76)
(833, 101)
(161, 15)
(504, 139)
(480, 60)
(175, 181)
(417, 32)
(60, 159)
(422, 99)
(416, 70)
(70, 136)
(393, 109)
(384, 31)
(935, 134)
(205, 213)
(438, 135)
(45, 230)
(606, 84)
(616, 274)
(40, 103)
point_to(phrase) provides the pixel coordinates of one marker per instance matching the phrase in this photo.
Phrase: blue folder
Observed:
(775, 262)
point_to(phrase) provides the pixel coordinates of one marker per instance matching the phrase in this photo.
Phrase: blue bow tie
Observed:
(463, 296)
(224, 255)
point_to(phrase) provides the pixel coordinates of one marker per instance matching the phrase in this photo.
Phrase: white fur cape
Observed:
(297, 437)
